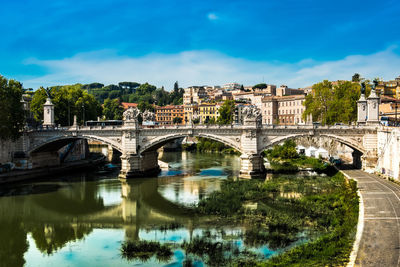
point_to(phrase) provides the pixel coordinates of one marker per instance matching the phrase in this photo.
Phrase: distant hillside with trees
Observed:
(85, 100)
(134, 92)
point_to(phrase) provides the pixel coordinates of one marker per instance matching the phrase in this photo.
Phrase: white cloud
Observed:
(207, 68)
(212, 16)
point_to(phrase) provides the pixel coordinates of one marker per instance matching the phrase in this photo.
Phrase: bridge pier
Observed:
(369, 162)
(143, 165)
(357, 162)
(251, 166)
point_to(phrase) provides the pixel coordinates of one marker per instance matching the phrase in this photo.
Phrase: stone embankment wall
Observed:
(389, 152)
(333, 147)
(6, 150)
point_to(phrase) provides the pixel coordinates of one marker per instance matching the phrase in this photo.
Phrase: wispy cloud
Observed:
(212, 16)
(207, 68)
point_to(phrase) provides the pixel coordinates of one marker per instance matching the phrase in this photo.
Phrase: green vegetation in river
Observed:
(285, 159)
(284, 208)
(144, 250)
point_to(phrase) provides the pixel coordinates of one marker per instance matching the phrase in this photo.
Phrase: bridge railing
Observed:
(206, 126)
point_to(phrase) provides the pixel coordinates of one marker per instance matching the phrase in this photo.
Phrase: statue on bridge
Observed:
(363, 88)
(148, 116)
(252, 114)
(131, 114)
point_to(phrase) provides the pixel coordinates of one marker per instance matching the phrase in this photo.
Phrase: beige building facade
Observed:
(287, 110)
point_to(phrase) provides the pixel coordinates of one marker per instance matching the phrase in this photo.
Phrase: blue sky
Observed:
(198, 42)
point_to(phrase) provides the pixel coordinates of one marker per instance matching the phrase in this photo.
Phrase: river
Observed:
(82, 219)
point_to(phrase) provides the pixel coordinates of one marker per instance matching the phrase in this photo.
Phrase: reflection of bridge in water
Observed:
(74, 210)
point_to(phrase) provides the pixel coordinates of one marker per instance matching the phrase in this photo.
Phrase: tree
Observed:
(226, 112)
(143, 106)
(11, 110)
(288, 150)
(93, 86)
(176, 96)
(68, 100)
(260, 86)
(128, 85)
(330, 104)
(177, 120)
(285, 151)
(356, 78)
(112, 110)
(317, 103)
(176, 86)
(38, 100)
(210, 121)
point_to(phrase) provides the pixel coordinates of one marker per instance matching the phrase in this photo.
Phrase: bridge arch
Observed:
(158, 142)
(55, 143)
(342, 140)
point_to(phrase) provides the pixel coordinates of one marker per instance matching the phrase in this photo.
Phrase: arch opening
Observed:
(159, 142)
(356, 153)
(57, 143)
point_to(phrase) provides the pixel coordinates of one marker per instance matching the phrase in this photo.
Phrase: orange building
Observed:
(127, 105)
(165, 115)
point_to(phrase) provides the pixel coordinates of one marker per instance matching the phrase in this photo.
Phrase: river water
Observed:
(82, 219)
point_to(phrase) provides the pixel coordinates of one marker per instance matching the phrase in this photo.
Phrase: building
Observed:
(389, 88)
(221, 95)
(283, 90)
(252, 97)
(127, 105)
(208, 111)
(239, 116)
(269, 90)
(190, 113)
(307, 90)
(389, 107)
(287, 110)
(194, 94)
(232, 86)
(165, 115)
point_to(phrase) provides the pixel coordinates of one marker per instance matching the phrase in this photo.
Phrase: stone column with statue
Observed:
(251, 162)
(48, 112)
(373, 101)
(362, 106)
(135, 163)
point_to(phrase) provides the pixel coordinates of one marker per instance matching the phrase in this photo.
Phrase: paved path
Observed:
(380, 240)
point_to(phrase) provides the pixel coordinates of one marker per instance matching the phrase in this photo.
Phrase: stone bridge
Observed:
(138, 144)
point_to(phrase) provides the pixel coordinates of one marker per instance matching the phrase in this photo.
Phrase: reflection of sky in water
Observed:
(170, 173)
(100, 248)
(190, 190)
(110, 193)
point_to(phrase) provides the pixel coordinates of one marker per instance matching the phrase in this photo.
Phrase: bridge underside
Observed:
(55, 145)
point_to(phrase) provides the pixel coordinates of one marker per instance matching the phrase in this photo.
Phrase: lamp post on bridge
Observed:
(83, 113)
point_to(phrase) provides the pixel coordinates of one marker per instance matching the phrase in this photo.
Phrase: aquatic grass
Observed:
(217, 253)
(338, 214)
(144, 250)
(325, 206)
(170, 226)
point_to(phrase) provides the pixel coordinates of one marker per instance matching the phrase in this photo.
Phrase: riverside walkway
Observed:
(380, 241)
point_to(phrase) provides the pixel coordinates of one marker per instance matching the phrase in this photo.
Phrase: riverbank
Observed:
(69, 167)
